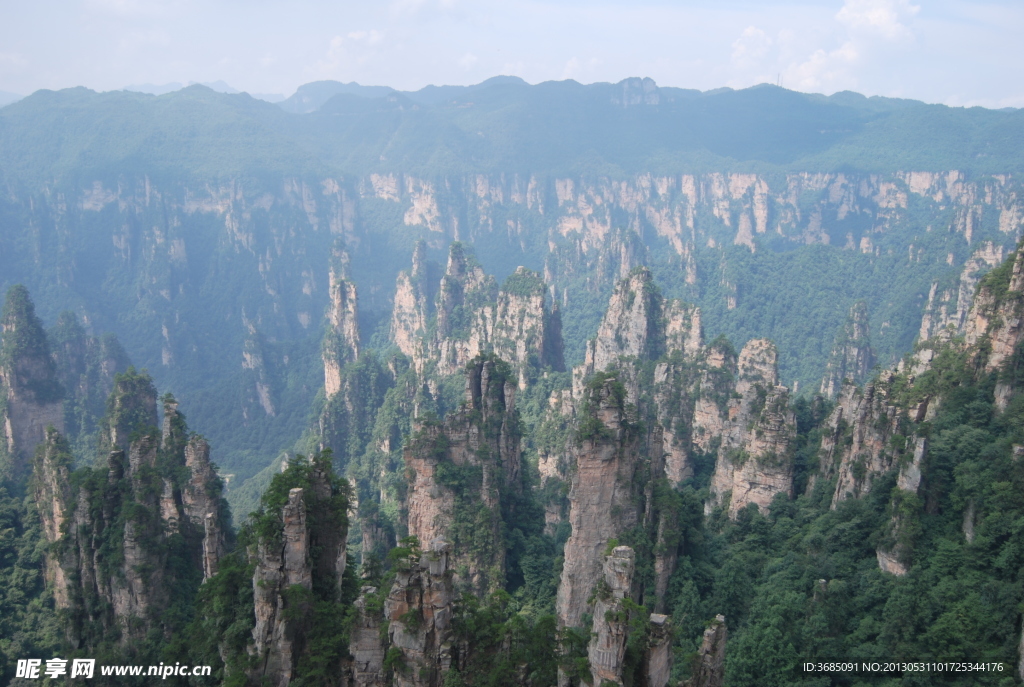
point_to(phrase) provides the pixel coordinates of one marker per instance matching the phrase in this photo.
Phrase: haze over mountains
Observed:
(190, 222)
(602, 384)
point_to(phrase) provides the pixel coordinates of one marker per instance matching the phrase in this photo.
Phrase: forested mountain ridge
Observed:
(199, 226)
(571, 527)
(552, 353)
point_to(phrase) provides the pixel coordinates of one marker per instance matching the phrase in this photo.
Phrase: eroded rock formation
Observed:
(755, 429)
(131, 506)
(710, 668)
(419, 612)
(458, 470)
(305, 555)
(28, 380)
(602, 496)
(610, 630)
(341, 343)
(471, 315)
(852, 356)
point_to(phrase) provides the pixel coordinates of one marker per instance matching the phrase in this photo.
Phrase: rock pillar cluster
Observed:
(419, 611)
(602, 496)
(28, 380)
(459, 469)
(301, 560)
(607, 649)
(471, 315)
(127, 505)
(710, 668)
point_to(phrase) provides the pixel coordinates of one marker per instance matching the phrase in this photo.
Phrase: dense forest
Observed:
(199, 228)
(376, 388)
(665, 512)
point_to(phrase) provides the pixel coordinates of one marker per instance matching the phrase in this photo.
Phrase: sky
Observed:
(956, 52)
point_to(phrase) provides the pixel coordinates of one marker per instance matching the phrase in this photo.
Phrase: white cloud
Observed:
(345, 52)
(572, 68)
(861, 42)
(824, 69)
(371, 37)
(468, 61)
(12, 60)
(885, 18)
(142, 39)
(412, 8)
(751, 47)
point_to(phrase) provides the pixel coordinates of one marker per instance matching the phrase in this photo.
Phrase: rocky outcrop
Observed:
(341, 341)
(51, 487)
(607, 649)
(946, 312)
(128, 509)
(755, 429)
(526, 332)
(857, 444)
(131, 407)
(710, 668)
(411, 311)
(459, 469)
(281, 565)
(85, 366)
(631, 326)
(658, 658)
(996, 317)
(471, 316)
(419, 610)
(640, 324)
(366, 644)
(28, 380)
(304, 555)
(603, 501)
(201, 501)
(852, 356)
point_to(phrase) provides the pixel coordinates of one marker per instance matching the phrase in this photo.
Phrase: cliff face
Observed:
(341, 343)
(856, 446)
(132, 505)
(460, 471)
(946, 312)
(607, 648)
(419, 609)
(756, 432)
(28, 380)
(710, 668)
(85, 366)
(471, 315)
(300, 557)
(852, 357)
(603, 496)
(995, 317)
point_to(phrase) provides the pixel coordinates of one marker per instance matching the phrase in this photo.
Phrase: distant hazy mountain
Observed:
(218, 86)
(309, 97)
(155, 89)
(7, 98)
(199, 225)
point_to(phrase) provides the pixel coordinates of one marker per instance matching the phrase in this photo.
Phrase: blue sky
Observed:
(948, 51)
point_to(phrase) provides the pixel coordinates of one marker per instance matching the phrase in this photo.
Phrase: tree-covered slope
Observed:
(195, 225)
